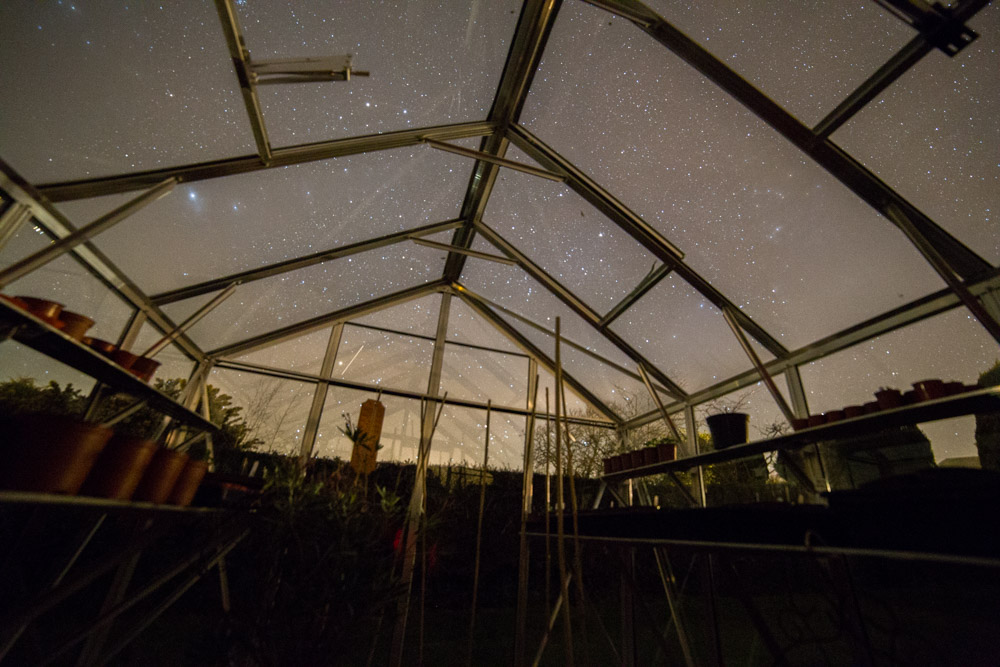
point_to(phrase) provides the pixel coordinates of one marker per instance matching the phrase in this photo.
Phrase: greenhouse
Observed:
(500, 332)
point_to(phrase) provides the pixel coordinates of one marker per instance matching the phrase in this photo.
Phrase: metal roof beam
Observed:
(297, 263)
(825, 153)
(578, 306)
(280, 157)
(314, 324)
(530, 36)
(638, 229)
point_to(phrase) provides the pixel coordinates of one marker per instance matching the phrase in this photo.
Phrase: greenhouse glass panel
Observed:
(461, 436)
(951, 346)
(805, 56)
(304, 354)
(210, 229)
(774, 232)
(419, 316)
(574, 404)
(265, 305)
(477, 375)
(465, 326)
(407, 88)
(944, 117)
(378, 358)
(684, 335)
(568, 238)
(400, 427)
(274, 410)
(512, 288)
(92, 89)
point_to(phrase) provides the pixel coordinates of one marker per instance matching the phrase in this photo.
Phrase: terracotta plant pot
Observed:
(666, 451)
(49, 453)
(871, 407)
(143, 368)
(833, 416)
(161, 475)
(607, 466)
(188, 482)
(42, 308)
(638, 458)
(910, 397)
(888, 399)
(15, 301)
(928, 390)
(75, 325)
(800, 423)
(616, 463)
(119, 468)
(102, 346)
(124, 358)
(817, 420)
(649, 456)
(728, 428)
(953, 388)
(852, 411)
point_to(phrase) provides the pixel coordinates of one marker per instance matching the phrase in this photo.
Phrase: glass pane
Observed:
(25, 377)
(478, 375)
(683, 334)
(933, 136)
(279, 301)
(419, 316)
(400, 427)
(92, 89)
(952, 346)
(806, 57)
(66, 281)
(574, 404)
(461, 435)
(213, 228)
(303, 354)
(778, 235)
(564, 235)
(429, 65)
(274, 410)
(465, 326)
(378, 358)
(510, 287)
(174, 364)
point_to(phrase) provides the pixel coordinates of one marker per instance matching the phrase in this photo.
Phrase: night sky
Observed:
(99, 88)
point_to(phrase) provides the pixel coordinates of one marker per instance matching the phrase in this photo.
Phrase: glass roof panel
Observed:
(806, 57)
(419, 316)
(683, 334)
(564, 235)
(768, 227)
(274, 410)
(378, 358)
(465, 326)
(99, 88)
(574, 404)
(951, 346)
(934, 135)
(304, 354)
(408, 86)
(279, 301)
(400, 426)
(478, 375)
(512, 288)
(213, 228)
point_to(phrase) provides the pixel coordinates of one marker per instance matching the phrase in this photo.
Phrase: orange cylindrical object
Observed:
(161, 475)
(370, 427)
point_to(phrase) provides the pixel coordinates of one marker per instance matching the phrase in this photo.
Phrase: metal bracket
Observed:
(937, 23)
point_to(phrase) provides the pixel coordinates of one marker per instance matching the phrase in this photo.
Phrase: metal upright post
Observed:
(527, 489)
(319, 396)
(416, 505)
(692, 438)
(479, 538)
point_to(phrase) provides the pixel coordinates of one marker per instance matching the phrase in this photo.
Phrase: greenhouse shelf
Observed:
(28, 330)
(982, 400)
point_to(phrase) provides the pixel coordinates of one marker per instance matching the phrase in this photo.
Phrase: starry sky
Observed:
(101, 88)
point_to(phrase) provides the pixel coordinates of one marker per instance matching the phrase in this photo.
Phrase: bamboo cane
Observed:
(479, 537)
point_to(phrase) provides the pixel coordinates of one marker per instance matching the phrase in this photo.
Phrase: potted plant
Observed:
(727, 424)
(120, 467)
(49, 453)
(190, 478)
